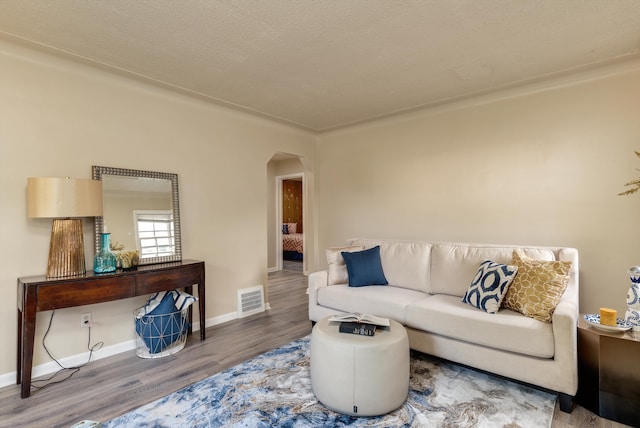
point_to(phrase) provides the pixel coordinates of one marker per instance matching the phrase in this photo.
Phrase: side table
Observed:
(609, 373)
(37, 293)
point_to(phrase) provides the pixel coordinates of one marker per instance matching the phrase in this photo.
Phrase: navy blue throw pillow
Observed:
(162, 326)
(285, 229)
(364, 267)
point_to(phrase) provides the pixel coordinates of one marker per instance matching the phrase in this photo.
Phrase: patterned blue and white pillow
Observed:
(489, 286)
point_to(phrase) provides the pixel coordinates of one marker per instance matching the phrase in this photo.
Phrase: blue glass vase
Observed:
(105, 260)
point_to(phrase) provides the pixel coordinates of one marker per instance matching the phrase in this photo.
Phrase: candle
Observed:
(608, 317)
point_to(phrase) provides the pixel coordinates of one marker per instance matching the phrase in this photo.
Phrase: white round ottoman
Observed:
(360, 375)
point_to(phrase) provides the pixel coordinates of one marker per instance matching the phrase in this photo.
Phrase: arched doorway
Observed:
(286, 211)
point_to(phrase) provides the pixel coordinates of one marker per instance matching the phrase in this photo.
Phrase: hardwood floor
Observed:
(112, 386)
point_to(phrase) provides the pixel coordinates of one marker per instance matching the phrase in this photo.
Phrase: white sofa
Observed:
(426, 283)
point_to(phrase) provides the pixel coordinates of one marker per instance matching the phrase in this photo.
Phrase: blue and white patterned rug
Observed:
(274, 390)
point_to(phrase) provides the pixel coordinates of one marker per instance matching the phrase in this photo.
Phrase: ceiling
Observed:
(326, 64)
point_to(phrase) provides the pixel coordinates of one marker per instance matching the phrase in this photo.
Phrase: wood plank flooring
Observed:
(112, 386)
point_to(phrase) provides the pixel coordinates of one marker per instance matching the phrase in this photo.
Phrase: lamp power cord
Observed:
(42, 383)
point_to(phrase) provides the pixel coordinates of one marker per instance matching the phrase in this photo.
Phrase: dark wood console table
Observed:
(37, 293)
(609, 373)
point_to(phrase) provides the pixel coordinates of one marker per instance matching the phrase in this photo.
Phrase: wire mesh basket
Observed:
(160, 335)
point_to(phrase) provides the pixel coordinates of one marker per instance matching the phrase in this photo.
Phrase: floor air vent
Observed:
(250, 301)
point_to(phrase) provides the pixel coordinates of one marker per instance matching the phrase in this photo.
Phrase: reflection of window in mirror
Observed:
(154, 232)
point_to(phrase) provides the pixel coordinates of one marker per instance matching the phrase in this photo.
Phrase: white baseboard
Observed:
(217, 320)
(51, 367)
(272, 269)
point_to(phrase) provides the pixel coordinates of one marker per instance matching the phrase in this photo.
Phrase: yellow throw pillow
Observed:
(537, 287)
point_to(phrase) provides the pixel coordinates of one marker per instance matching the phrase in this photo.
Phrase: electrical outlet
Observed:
(85, 320)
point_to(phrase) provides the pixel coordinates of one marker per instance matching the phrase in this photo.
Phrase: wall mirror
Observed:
(141, 211)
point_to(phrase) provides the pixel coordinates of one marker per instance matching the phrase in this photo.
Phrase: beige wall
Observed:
(541, 167)
(58, 118)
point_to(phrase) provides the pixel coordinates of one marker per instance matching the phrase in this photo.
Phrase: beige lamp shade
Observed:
(52, 197)
(61, 199)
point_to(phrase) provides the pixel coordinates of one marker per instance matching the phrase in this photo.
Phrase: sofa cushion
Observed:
(405, 263)
(507, 330)
(364, 267)
(538, 287)
(489, 286)
(453, 264)
(336, 267)
(382, 300)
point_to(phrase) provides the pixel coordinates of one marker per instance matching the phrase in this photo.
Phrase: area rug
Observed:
(274, 390)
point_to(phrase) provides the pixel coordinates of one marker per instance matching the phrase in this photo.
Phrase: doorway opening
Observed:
(290, 225)
(287, 213)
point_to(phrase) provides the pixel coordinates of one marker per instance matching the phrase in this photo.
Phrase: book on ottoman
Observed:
(362, 318)
(360, 328)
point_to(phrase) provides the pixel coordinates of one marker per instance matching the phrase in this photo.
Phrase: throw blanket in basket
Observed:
(163, 319)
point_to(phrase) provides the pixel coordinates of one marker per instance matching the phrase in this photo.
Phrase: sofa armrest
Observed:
(317, 280)
(565, 336)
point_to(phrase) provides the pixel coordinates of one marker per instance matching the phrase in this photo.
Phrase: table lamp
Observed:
(61, 199)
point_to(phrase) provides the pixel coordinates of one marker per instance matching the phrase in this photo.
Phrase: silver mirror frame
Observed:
(99, 171)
